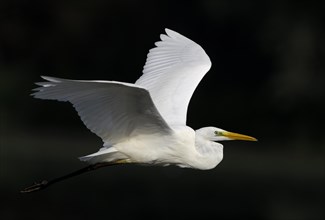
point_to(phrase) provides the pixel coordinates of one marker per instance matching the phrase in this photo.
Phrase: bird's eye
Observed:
(217, 133)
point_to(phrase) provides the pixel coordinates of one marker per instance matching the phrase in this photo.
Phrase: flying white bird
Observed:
(145, 122)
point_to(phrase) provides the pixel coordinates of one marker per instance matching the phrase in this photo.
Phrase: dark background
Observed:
(267, 80)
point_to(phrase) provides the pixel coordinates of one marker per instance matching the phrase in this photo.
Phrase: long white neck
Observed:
(209, 153)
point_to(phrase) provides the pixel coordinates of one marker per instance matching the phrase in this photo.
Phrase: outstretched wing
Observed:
(112, 110)
(172, 72)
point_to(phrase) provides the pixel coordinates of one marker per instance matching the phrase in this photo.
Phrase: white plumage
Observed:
(172, 72)
(145, 122)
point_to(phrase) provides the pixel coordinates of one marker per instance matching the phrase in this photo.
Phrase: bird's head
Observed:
(218, 134)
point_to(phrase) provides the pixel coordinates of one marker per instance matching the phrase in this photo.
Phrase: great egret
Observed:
(145, 122)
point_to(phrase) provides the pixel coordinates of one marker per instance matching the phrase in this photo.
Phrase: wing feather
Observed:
(172, 71)
(112, 110)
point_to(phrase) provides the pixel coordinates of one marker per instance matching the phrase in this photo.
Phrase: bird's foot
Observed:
(35, 187)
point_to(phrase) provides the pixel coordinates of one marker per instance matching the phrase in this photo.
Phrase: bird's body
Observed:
(182, 147)
(145, 122)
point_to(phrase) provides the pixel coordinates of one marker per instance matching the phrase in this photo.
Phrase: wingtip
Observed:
(167, 29)
(51, 79)
(175, 35)
(44, 77)
(170, 32)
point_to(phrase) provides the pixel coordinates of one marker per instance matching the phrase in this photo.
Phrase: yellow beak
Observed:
(236, 136)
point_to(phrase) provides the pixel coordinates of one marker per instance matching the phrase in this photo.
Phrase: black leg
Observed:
(44, 184)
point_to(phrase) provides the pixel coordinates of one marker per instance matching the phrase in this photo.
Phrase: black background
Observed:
(267, 80)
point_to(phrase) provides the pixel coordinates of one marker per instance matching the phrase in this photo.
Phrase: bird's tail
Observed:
(105, 154)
